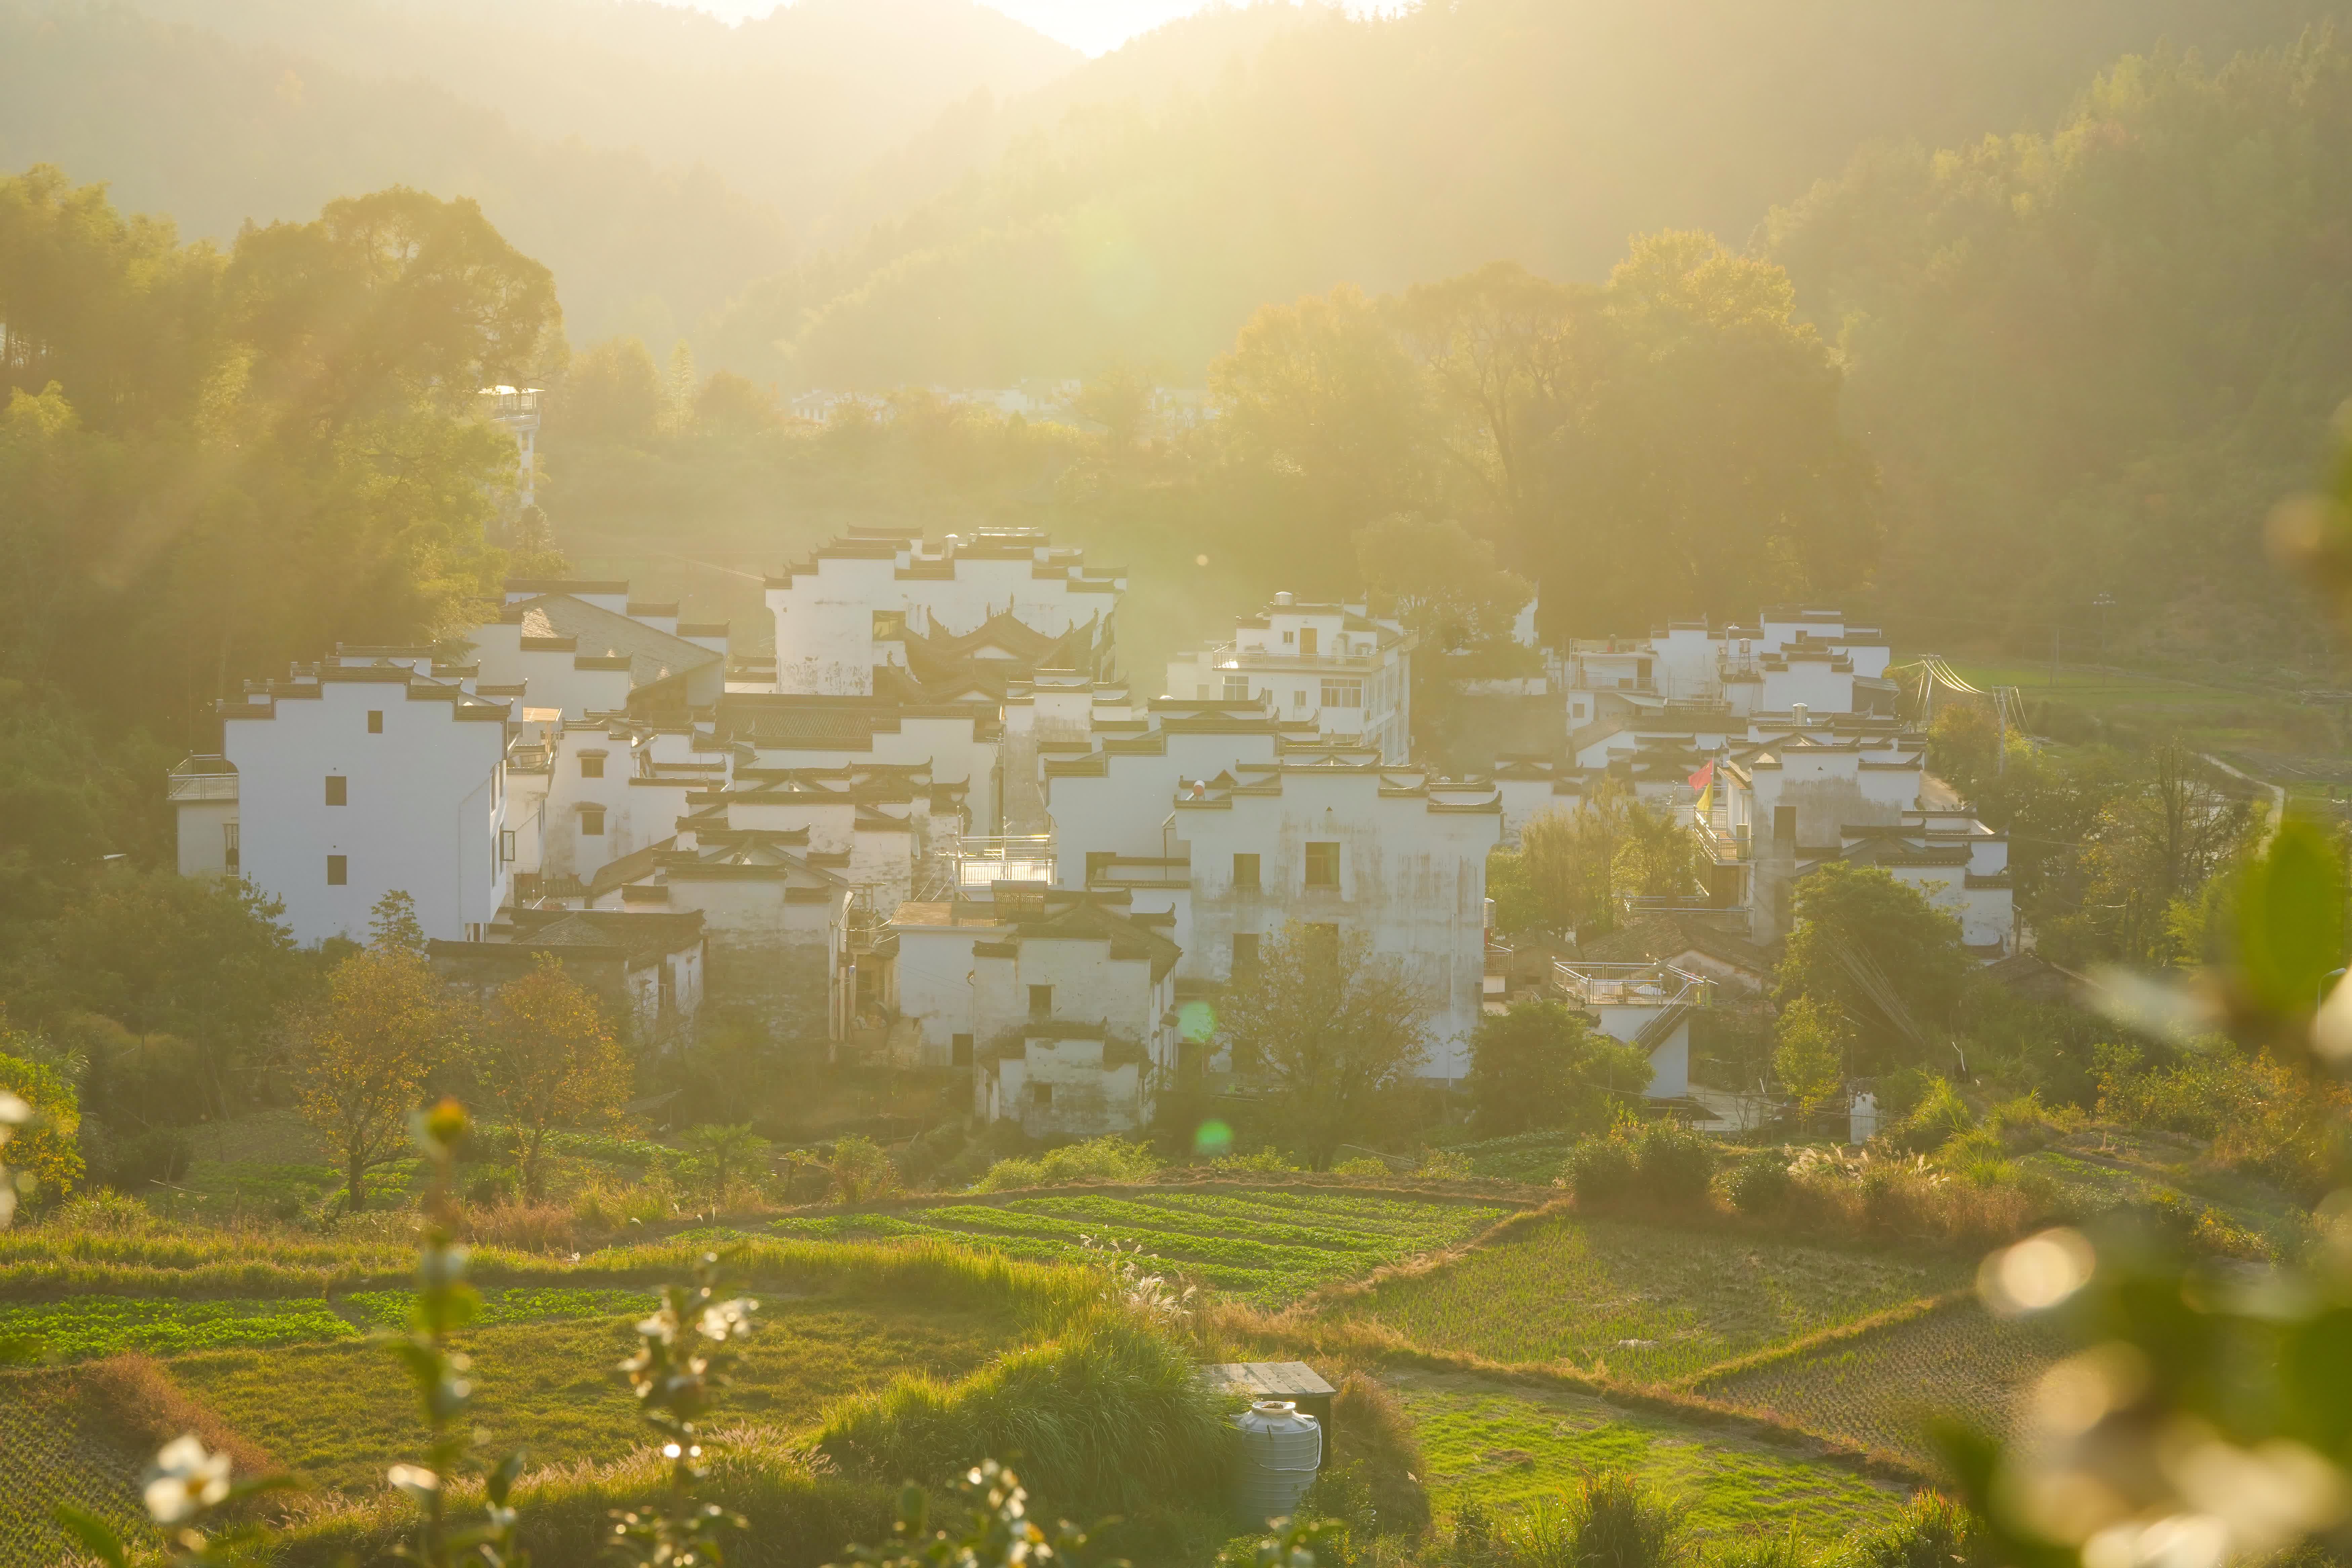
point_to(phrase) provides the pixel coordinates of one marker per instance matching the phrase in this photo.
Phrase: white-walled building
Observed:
(1343, 840)
(1792, 658)
(1114, 799)
(1331, 666)
(645, 966)
(854, 603)
(355, 780)
(1062, 1002)
(588, 648)
(958, 743)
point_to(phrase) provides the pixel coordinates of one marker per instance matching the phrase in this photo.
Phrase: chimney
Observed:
(1801, 713)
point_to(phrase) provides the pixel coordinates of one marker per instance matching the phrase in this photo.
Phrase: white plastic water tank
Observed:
(1281, 1450)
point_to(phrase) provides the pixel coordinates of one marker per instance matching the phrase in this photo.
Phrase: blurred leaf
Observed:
(2290, 920)
(93, 1534)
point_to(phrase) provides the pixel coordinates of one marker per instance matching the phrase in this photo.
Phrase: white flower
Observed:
(724, 1320)
(185, 1479)
(414, 1480)
(12, 1111)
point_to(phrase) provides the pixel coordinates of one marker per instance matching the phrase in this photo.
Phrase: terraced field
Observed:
(53, 1450)
(89, 1326)
(1641, 1302)
(1874, 1389)
(1507, 1447)
(1266, 1246)
(339, 1412)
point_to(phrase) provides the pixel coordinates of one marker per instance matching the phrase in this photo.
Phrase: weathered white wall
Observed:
(1412, 881)
(426, 802)
(1123, 808)
(204, 827)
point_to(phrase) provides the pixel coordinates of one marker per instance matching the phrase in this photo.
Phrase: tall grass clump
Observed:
(1105, 1159)
(1934, 1532)
(1107, 1419)
(1609, 1520)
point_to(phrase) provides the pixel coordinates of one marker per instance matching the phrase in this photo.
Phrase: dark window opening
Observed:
(593, 767)
(591, 822)
(1244, 953)
(339, 870)
(375, 721)
(1323, 865)
(1041, 1001)
(339, 790)
(959, 1050)
(228, 837)
(1042, 1094)
(1245, 874)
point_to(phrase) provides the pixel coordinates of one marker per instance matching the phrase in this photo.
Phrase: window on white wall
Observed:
(1237, 689)
(1343, 694)
(592, 764)
(339, 871)
(592, 821)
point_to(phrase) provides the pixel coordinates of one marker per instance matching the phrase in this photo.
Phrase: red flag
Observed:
(1703, 778)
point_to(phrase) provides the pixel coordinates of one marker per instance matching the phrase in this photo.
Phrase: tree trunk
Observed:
(532, 1142)
(354, 1174)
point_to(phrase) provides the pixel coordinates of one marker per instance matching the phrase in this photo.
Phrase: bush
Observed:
(1601, 1168)
(1940, 1116)
(1677, 1163)
(1109, 1418)
(1760, 1183)
(1107, 1159)
(1363, 1165)
(1444, 1166)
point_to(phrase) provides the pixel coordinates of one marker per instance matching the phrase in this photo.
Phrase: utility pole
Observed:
(2102, 604)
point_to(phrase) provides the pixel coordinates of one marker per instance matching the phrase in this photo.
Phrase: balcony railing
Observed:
(201, 786)
(1017, 857)
(1629, 985)
(1230, 655)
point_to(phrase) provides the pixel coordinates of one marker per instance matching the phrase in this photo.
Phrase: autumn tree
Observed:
(1321, 393)
(546, 1059)
(360, 1056)
(1813, 1042)
(1875, 951)
(1329, 1026)
(1540, 1065)
(1440, 580)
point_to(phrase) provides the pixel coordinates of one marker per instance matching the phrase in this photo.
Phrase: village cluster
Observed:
(941, 826)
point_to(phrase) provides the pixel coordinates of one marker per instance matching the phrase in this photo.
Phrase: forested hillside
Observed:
(655, 158)
(1384, 151)
(2089, 362)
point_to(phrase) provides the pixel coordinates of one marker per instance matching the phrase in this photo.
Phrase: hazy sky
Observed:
(1094, 26)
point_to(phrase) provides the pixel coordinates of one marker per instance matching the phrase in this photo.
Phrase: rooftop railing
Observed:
(1012, 857)
(1629, 985)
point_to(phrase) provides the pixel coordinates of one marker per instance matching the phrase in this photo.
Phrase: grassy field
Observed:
(1504, 1447)
(1267, 1248)
(2260, 726)
(53, 1450)
(1639, 1301)
(339, 1413)
(1876, 1388)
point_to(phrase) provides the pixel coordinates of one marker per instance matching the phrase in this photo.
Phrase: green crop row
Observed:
(85, 1327)
(88, 1326)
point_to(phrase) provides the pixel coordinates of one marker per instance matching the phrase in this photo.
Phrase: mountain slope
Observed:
(1381, 151)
